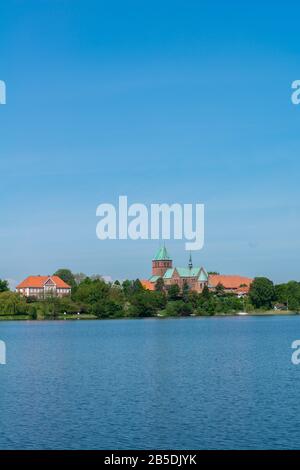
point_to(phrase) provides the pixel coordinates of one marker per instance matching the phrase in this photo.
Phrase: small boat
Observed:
(242, 313)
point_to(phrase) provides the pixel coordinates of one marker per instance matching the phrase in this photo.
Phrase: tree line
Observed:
(92, 297)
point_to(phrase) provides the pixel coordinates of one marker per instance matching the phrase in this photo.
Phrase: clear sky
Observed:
(164, 101)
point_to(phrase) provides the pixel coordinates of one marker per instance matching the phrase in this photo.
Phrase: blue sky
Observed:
(174, 101)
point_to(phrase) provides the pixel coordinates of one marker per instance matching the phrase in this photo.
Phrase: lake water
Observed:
(197, 383)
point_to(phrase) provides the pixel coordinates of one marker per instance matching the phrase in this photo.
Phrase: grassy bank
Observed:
(74, 317)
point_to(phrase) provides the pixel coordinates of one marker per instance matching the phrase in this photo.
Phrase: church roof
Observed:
(153, 278)
(162, 255)
(203, 276)
(182, 272)
(169, 273)
(187, 272)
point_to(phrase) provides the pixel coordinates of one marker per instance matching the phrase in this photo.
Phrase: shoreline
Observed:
(268, 313)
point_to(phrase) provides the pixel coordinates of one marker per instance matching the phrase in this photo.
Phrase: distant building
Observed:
(162, 267)
(239, 285)
(195, 277)
(43, 286)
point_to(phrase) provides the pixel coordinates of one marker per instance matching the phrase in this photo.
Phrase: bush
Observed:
(179, 309)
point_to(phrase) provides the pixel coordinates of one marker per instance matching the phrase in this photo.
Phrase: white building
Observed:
(43, 286)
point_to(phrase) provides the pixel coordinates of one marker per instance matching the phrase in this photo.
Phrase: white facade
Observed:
(48, 288)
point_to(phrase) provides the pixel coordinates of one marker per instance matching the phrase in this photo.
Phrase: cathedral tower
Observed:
(161, 262)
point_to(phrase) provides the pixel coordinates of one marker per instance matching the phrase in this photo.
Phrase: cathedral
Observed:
(195, 277)
(162, 266)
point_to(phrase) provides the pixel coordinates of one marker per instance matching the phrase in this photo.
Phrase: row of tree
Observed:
(95, 298)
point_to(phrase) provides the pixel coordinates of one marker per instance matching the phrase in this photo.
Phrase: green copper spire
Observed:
(162, 255)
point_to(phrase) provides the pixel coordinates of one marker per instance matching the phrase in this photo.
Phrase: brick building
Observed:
(195, 277)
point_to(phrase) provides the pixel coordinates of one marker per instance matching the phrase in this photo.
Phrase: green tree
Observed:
(178, 309)
(173, 292)
(100, 309)
(262, 292)
(51, 306)
(67, 276)
(205, 294)
(289, 294)
(67, 305)
(207, 302)
(185, 309)
(116, 294)
(127, 287)
(160, 285)
(12, 303)
(228, 304)
(193, 298)
(220, 290)
(90, 292)
(185, 291)
(137, 286)
(3, 286)
(207, 307)
(143, 304)
(159, 299)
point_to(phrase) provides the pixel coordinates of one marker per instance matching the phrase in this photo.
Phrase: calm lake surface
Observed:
(140, 384)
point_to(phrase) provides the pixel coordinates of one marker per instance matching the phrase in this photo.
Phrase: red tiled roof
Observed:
(243, 290)
(229, 281)
(39, 281)
(147, 284)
